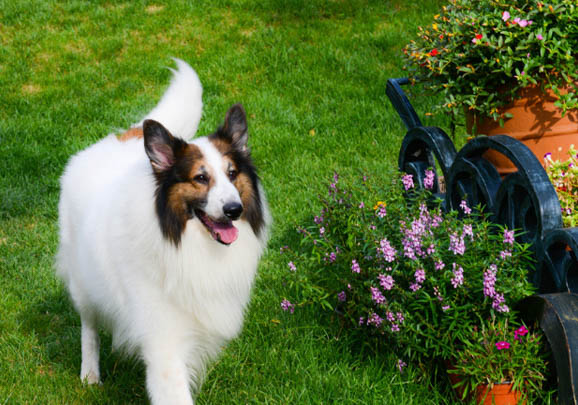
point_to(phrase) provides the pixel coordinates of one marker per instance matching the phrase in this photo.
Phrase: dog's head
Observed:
(211, 179)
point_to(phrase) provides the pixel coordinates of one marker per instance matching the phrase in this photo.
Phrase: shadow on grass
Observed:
(56, 326)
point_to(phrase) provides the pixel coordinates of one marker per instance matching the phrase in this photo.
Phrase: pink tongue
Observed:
(227, 233)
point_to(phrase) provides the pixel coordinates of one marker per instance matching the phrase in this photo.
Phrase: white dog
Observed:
(160, 239)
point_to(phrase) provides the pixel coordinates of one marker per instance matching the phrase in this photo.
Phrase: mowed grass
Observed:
(311, 75)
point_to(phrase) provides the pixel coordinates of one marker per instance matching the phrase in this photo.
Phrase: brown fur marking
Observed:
(131, 133)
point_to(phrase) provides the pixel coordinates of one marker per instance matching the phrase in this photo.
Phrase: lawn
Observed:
(311, 75)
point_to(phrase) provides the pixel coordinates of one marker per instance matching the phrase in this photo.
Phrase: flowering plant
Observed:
(564, 177)
(393, 264)
(479, 54)
(498, 352)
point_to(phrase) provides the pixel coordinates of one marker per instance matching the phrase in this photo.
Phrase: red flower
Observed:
(434, 52)
(479, 36)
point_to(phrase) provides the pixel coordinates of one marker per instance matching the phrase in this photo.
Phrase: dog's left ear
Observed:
(234, 130)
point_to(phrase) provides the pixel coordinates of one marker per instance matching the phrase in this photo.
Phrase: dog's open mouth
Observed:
(223, 232)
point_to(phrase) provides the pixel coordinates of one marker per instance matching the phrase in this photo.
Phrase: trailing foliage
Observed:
(479, 54)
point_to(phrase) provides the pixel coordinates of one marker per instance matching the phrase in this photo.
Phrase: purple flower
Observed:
(419, 275)
(322, 231)
(468, 231)
(395, 327)
(498, 303)
(375, 319)
(508, 237)
(382, 212)
(414, 287)
(407, 181)
(342, 296)
(464, 206)
(318, 219)
(457, 244)
(400, 365)
(386, 282)
(445, 308)
(355, 266)
(390, 316)
(377, 296)
(490, 281)
(400, 317)
(505, 254)
(428, 181)
(458, 278)
(292, 266)
(431, 249)
(332, 257)
(387, 250)
(439, 265)
(437, 294)
(361, 205)
(287, 306)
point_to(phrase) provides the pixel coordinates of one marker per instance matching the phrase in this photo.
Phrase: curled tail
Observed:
(180, 108)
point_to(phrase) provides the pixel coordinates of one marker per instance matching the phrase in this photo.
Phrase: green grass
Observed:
(312, 77)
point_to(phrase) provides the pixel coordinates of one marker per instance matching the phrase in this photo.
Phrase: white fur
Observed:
(174, 307)
(181, 106)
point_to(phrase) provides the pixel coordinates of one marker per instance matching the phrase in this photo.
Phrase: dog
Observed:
(160, 239)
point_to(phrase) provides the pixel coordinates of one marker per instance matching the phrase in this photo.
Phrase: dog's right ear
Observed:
(160, 146)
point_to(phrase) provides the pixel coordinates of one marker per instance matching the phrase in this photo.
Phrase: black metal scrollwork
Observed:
(523, 199)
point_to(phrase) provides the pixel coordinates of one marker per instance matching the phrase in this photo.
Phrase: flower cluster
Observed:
(418, 275)
(479, 54)
(564, 178)
(494, 355)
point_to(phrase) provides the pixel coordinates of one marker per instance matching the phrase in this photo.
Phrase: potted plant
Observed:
(564, 176)
(392, 264)
(512, 66)
(500, 363)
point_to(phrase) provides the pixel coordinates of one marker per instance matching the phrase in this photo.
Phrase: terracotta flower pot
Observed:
(498, 394)
(536, 122)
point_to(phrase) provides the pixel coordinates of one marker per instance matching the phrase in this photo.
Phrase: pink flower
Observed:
(508, 237)
(292, 266)
(407, 181)
(505, 16)
(428, 182)
(377, 296)
(521, 331)
(523, 23)
(386, 282)
(287, 306)
(502, 345)
(539, 37)
(464, 206)
(355, 266)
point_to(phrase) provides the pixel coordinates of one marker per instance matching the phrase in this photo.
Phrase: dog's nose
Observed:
(233, 210)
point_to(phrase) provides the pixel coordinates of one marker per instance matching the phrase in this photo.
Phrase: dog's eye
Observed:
(201, 178)
(233, 174)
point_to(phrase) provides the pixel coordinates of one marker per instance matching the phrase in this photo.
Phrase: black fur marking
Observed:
(159, 140)
(233, 135)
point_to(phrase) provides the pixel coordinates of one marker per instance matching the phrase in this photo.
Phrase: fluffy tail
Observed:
(180, 108)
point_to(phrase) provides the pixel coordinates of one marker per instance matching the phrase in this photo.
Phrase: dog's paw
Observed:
(90, 378)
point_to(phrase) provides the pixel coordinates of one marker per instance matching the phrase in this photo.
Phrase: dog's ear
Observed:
(160, 146)
(234, 130)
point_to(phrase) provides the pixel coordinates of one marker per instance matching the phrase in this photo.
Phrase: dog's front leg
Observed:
(167, 376)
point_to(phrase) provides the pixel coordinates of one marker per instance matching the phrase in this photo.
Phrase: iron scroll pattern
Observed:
(522, 199)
